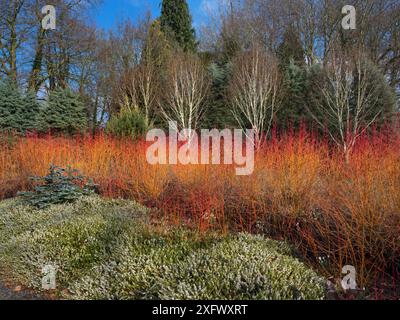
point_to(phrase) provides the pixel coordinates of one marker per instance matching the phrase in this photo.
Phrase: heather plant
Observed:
(107, 249)
(72, 237)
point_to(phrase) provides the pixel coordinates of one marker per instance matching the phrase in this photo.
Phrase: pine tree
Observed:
(129, 123)
(176, 23)
(64, 113)
(18, 112)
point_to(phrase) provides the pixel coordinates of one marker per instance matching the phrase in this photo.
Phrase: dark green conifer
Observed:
(176, 23)
(18, 111)
(64, 113)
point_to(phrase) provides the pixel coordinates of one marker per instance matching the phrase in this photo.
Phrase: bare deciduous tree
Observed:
(186, 85)
(253, 91)
(140, 90)
(349, 102)
(13, 30)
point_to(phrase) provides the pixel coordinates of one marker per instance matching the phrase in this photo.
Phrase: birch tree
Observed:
(187, 85)
(253, 91)
(349, 104)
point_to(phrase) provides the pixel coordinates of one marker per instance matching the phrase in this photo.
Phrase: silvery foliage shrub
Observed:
(61, 185)
(240, 268)
(106, 249)
(237, 267)
(72, 237)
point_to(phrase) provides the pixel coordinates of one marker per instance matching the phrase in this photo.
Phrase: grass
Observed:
(108, 249)
(302, 191)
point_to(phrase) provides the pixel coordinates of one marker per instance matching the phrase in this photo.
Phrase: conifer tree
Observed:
(176, 23)
(352, 99)
(218, 114)
(156, 49)
(292, 66)
(384, 96)
(129, 123)
(64, 113)
(18, 112)
(293, 112)
(291, 49)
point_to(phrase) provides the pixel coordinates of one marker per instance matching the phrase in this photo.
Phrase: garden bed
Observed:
(109, 249)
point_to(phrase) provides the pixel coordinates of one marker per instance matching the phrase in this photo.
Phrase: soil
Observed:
(17, 293)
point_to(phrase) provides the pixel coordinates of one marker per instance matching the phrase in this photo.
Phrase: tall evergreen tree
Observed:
(18, 112)
(383, 93)
(64, 113)
(291, 49)
(293, 111)
(156, 49)
(176, 23)
(292, 66)
(381, 100)
(218, 114)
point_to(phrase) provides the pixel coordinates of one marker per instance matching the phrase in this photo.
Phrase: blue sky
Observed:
(111, 11)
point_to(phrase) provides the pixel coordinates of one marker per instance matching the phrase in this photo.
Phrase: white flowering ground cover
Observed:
(108, 249)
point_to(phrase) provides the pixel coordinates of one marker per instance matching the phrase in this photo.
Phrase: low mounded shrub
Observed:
(58, 187)
(107, 249)
(129, 123)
